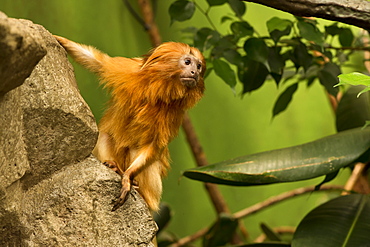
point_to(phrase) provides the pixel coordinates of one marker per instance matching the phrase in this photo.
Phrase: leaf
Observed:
(181, 10)
(163, 216)
(252, 74)
(306, 161)
(354, 79)
(276, 63)
(276, 34)
(343, 221)
(223, 70)
(256, 49)
(333, 29)
(329, 177)
(233, 57)
(353, 112)
(284, 99)
(205, 38)
(225, 18)
(238, 7)
(221, 232)
(270, 234)
(241, 29)
(216, 2)
(328, 77)
(310, 32)
(300, 56)
(276, 23)
(346, 37)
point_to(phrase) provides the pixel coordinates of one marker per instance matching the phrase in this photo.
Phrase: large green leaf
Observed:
(343, 221)
(309, 160)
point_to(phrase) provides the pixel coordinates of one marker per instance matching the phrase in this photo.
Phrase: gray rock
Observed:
(53, 192)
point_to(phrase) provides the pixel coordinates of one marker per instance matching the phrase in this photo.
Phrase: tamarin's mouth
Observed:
(189, 81)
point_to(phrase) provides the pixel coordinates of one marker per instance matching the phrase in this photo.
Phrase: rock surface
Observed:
(53, 192)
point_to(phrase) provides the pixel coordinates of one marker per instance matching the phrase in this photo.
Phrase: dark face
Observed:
(191, 70)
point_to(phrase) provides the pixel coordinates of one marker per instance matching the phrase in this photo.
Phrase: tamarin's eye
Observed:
(187, 61)
(199, 66)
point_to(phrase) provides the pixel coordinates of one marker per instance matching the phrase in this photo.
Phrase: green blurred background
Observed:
(227, 125)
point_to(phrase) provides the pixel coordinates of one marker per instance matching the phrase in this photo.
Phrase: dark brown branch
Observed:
(354, 12)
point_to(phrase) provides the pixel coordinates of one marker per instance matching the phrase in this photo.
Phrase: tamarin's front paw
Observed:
(125, 191)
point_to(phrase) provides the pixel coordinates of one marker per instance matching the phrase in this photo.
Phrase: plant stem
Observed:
(355, 177)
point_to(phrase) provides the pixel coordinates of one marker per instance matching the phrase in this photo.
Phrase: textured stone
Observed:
(53, 192)
(20, 52)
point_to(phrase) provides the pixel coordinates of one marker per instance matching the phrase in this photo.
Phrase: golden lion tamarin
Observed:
(149, 97)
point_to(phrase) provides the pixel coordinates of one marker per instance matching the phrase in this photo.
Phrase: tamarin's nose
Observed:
(192, 72)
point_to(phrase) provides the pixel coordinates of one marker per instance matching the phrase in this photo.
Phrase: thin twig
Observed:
(275, 199)
(259, 207)
(357, 173)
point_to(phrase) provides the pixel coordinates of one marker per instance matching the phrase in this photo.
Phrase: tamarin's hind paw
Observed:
(125, 191)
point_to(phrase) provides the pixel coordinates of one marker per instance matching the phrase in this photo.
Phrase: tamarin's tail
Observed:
(113, 71)
(87, 56)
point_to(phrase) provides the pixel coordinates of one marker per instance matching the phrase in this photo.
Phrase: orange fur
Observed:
(149, 99)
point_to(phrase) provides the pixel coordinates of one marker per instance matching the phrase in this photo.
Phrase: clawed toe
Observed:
(125, 191)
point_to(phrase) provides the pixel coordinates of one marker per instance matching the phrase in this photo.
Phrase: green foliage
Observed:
(298, 46)
(295, 51)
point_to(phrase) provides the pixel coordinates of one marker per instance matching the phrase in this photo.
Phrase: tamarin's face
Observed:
(191, 70)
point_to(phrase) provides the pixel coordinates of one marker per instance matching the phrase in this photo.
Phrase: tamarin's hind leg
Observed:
(143, 161)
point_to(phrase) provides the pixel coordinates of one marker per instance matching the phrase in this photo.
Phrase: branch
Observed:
(150, 25)
(354, 12)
